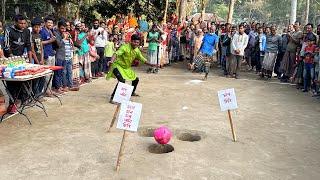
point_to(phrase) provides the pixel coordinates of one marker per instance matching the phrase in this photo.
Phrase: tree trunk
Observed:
(178, 7)
(16, 8)
(306, 20)
(166, 12)
(231, 9)
(203, 8)
(3, 11)
(61, 10)
(182, 11)
(293, 16)
(78, 10)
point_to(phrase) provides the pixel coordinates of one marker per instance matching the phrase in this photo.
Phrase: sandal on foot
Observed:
(135, 95)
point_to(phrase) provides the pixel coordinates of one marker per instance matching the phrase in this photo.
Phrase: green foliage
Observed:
(88, 13)
(153, 9)
(30, 8)
(218, 7)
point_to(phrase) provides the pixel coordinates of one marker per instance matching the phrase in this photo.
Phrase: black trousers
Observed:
(94, 68)
(101, 60)
(119, 77)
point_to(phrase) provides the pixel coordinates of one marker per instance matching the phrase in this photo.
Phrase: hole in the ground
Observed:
(160, 148)
(146, 131)
(189, 137)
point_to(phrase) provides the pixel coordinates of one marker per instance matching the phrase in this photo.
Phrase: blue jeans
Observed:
(67, 74)
(58, 75)
(308, 75)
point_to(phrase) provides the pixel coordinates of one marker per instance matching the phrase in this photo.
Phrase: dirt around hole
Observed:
(160, 148)
(189, 137)
(146, 131)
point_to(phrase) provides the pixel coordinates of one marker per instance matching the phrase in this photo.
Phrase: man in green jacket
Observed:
(122, 61)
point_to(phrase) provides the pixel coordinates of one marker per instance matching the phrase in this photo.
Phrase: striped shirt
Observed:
(69, 50)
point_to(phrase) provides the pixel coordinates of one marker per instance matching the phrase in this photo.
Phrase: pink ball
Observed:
(162, 135)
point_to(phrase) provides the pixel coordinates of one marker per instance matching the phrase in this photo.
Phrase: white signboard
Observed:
(129, 116)
(123, 93)
(227, 99)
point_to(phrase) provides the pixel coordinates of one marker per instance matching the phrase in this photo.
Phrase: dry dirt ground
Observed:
(277, 127)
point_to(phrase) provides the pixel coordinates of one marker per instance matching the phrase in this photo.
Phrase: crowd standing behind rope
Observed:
(293, 55)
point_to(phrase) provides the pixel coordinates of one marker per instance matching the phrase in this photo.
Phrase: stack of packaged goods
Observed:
(17, 67)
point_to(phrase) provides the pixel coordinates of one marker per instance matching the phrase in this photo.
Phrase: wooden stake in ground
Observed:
(228, 101)
(123, 94)
(116, 112)
(232, 129)
(121, 151)
(128, 120)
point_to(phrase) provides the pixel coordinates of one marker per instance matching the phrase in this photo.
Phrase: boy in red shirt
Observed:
(308, 73)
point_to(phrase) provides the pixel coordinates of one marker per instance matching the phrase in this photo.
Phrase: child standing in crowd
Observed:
(153, 52)
(37, 53)
(94, 57)
(67, 68)
(109, 49)
(308, 73)
(36, 42)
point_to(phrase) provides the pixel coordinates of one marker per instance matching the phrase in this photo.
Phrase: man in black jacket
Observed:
(16, 43)
(17, 38)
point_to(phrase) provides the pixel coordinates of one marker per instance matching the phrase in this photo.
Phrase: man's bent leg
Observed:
(135, 84)
(119, 77)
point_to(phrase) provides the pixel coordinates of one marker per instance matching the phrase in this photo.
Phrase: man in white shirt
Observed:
(100, 37)
(238, 45)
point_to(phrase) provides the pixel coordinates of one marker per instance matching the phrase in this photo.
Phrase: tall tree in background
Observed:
(3, 10)
(182, 10)
(203, 7)
(306, 20)
(166, 12)
(293, 16)
(231, 9)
